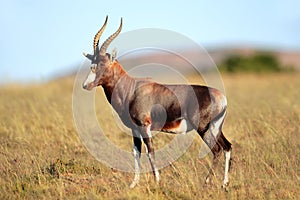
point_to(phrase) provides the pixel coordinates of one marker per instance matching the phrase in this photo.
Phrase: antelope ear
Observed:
(114, 54)
(89, 56)
(108, 56)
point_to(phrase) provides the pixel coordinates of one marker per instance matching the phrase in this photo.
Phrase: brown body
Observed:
(143, 102)
(144, 105)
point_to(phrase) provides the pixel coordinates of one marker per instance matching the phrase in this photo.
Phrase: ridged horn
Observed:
(110, 39)
(98, 35)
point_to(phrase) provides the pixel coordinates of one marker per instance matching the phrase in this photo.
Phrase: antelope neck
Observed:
(115, 76)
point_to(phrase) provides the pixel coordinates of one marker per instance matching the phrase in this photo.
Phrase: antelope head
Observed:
(100, 60)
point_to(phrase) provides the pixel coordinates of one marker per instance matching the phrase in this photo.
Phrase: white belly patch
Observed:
(181, 128)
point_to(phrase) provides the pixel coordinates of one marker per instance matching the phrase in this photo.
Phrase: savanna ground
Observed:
(42, 157)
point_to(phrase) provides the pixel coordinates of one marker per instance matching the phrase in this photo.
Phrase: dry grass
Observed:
(42, 157)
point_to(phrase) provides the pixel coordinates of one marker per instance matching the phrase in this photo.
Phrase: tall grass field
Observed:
(42, 157)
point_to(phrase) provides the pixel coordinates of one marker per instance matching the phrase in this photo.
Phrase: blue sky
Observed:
(41, 38)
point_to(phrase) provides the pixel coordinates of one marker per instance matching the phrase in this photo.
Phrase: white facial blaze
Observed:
(91, 78)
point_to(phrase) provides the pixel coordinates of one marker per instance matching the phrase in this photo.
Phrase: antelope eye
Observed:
(93, 67)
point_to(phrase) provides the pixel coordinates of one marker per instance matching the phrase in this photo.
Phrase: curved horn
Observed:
(98, 34)
(110, 39)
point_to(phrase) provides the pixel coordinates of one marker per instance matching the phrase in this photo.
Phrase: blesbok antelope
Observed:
(144, 106)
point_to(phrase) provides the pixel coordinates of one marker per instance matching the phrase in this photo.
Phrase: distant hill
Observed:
(289, 59)
(217, 56)
(286, 58)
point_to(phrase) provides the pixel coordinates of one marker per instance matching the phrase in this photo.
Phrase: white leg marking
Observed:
(137, 156)
(150, 136)
(226, 177)
(151, 159)
(157, 178)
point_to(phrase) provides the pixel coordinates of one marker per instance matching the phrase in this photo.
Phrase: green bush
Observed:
(260, 62)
